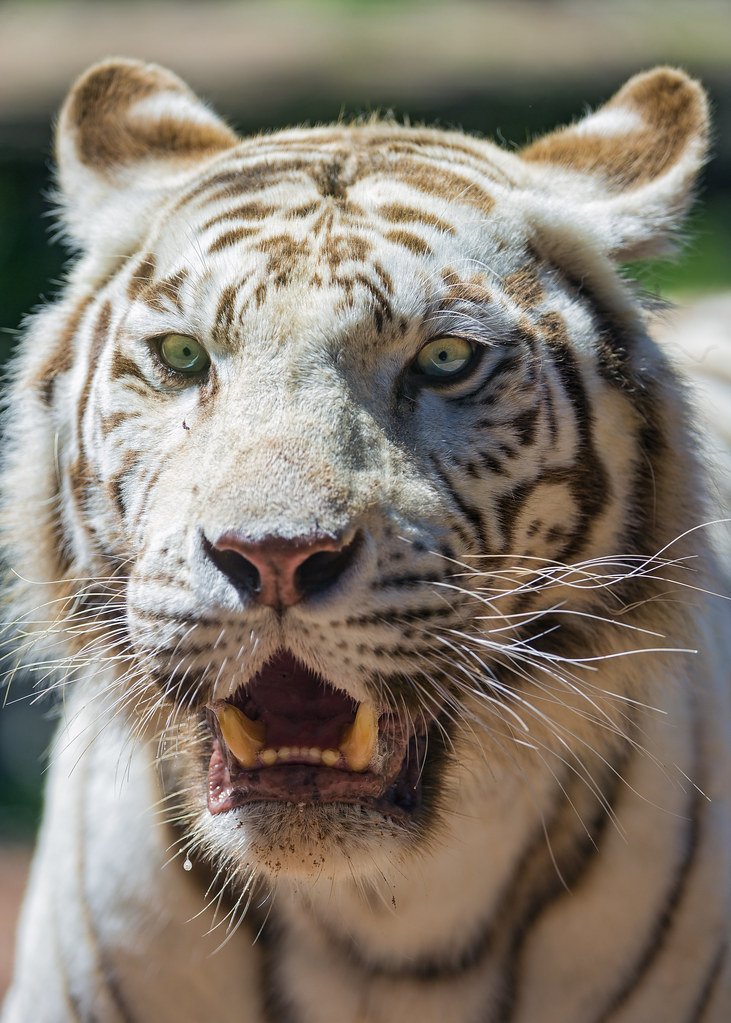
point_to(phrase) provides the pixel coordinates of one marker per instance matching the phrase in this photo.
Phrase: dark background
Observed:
(508, 70)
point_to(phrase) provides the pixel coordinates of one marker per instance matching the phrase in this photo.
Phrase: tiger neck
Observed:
(435, 913)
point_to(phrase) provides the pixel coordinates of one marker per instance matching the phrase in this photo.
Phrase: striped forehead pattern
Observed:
(323, 209)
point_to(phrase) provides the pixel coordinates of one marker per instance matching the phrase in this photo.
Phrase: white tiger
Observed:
(362, 526)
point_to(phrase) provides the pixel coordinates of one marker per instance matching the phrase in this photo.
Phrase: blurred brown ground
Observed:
(14, 863)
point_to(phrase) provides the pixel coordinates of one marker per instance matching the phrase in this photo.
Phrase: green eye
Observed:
(445, 357)
(184, 354)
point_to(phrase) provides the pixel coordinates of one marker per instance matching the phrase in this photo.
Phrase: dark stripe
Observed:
(490, 390)
(224, 319)
(399, 615)
(399, 213)
(709, 986)
(161, 616)
(531, 896)
(122, 366)
(470, 512)
(410, 581)
(427, 176)
(247, 179)
(550, 407)
(525, 426)
(535, 882)
(408, 240)
(111, 422)
(490, 463)
(382, 309)
(663, 924)
(61, 358)
(115, 483)
(230, 238)
(277, 1007)
(591, 487)
(142, 276)
(79, 475)
(246, 211)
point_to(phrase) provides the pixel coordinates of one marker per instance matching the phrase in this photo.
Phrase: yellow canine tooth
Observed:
(243, 736)
(358, 741)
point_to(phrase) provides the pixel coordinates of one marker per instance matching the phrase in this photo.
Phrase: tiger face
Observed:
(357, 457)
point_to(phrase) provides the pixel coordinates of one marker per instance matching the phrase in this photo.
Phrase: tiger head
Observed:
(350, 456)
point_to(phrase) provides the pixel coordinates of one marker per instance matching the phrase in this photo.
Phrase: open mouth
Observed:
(288, 736)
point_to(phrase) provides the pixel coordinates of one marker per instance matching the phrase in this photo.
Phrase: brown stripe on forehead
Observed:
(245, 211)
(401, 214)
(143, 275)
(431, 145)
(384, 277)
(382, 309)
(445, 184)
(159, 295)
(472, 290)
(245, 180)
(305, 210)
(408, 240)
(229, 238)
(553, 327)
(344, 248)
(225, 314)
(285, 255)
(524, 287)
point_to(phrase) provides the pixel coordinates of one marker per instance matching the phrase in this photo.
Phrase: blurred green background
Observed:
(508, 70)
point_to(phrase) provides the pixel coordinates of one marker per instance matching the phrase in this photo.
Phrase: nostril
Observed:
(323, 569)
(239, 570)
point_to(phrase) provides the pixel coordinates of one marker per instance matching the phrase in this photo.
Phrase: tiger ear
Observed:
(127, 133)
(629, 168)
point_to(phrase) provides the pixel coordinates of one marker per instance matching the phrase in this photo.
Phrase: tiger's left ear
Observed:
(628, 169)
(128, 133)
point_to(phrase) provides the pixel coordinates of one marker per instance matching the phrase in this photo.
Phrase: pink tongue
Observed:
(296, 706)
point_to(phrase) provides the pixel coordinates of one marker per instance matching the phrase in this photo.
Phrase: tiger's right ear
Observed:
(128, 133)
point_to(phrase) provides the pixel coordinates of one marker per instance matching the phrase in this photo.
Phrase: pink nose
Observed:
(280, 572)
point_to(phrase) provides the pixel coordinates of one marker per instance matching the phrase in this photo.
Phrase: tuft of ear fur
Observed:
(628, 168)
(127, 133)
